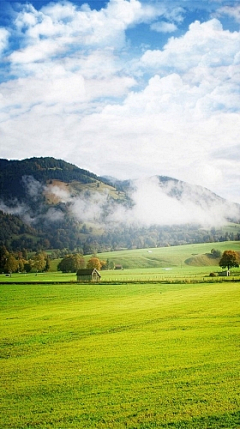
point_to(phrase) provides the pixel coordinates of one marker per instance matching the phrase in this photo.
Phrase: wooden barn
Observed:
(118, 267)
(88, 275)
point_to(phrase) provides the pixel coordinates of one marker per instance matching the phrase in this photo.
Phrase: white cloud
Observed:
(4, 35)
(204, 45)
(15, 208)
(36, 52)
(53, 215)
(175, 14)
(154, 206)
(57, 192)
(163, 27)
(231, 11)
(59, 28)
(32, 186)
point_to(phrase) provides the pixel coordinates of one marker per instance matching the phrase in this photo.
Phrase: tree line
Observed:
(13, 262)
(82, 238)
(73, 262)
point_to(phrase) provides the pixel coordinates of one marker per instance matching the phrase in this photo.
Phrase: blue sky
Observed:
(124, 88)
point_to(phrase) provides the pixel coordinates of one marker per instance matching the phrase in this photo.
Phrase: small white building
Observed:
(225, 273)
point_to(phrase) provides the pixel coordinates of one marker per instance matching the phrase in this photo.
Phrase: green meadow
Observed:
(190, 262)
(149, 355)
(166, 257)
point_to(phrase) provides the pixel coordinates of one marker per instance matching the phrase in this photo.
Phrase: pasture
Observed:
(190, 262)
(164, 257)
(120, 356)
(189, 255)
(183, 274)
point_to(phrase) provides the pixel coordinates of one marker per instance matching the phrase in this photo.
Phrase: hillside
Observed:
(15, 176)
(49, 203)
(189, 255)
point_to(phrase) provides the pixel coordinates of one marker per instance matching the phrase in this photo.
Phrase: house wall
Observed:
(84, 278)
(224, 273)
(93, 278)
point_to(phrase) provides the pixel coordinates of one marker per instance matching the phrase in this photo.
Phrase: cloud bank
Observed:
(152, 203)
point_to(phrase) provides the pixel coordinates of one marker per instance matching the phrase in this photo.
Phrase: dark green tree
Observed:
(27, 267)
(110, 265)
(216, 253)
(48, 264)
(71, 263)
(3, 257)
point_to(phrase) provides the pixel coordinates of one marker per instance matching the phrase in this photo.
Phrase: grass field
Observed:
(120, 356)
(183, 274)
(165, 257)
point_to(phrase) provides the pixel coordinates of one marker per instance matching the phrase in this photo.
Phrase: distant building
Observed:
(118, 267)
(224, 273)
(88, 275)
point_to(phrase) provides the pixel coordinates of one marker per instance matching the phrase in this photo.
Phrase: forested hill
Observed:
(49, 203)
(12, 174)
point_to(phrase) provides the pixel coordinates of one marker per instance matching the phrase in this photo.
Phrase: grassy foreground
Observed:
(129, 356)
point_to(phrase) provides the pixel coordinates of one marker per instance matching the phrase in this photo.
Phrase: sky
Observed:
(128, 89)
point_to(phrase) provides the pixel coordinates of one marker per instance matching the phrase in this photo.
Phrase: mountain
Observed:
(49, 203)
(13, 175)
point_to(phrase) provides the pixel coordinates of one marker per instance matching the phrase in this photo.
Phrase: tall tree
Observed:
(48, 264)
(94, 262)
(11, 265)
(39, 261)
(3, 257)
(229, 259)
(71, 263)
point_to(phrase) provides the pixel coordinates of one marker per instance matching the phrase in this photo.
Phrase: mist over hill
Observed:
(49, 203)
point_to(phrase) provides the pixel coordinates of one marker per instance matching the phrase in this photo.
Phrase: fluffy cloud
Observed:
(61, 28)
(205, 45)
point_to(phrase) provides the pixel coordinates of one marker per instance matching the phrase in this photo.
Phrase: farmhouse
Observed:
(88, 275)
